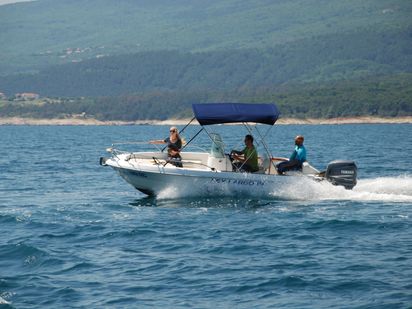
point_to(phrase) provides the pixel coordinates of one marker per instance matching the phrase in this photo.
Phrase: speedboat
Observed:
(214, 172)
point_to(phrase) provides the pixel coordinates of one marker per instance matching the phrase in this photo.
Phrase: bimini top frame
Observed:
(245, 113)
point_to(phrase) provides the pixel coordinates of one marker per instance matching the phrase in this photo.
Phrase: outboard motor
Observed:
(342, 173)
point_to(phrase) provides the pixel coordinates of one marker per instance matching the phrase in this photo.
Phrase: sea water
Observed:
(74, 234)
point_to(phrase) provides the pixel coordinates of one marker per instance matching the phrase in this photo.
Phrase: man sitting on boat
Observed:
(174, 144)
(247, 159)
(296, 159)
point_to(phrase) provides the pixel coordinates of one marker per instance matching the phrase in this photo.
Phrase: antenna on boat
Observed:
(193, 138)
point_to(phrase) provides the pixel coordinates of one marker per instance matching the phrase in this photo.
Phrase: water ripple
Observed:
(74, 235)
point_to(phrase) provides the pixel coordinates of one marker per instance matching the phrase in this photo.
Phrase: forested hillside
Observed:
(129, 59)
(388, 96)
(320, 59)
(45, 32)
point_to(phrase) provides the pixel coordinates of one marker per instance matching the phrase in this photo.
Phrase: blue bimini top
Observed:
(217, 113)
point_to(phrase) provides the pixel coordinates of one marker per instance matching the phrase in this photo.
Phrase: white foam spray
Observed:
(3, 301)
(385, 189)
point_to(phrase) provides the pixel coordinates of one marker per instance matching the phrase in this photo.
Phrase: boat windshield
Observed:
(218, 147)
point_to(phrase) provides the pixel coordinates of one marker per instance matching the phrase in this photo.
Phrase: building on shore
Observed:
(27, 96)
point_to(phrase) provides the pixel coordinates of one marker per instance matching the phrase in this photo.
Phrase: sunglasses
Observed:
(172, 131)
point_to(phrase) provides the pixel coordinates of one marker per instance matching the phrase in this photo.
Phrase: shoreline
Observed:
(20, 121)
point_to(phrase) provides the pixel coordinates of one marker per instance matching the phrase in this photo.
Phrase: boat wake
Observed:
(384, 189)
(3, 301)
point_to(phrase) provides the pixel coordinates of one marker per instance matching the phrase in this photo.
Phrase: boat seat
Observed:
(308, 169)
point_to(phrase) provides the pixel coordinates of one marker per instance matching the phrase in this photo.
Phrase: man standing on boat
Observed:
(247, 158)
(296, 159)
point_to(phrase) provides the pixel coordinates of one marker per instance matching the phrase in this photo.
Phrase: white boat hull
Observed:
(169, 180)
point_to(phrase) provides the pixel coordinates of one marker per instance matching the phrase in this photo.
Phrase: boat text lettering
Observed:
(139, 174)
(246, 182)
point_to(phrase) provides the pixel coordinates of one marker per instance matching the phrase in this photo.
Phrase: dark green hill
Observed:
(318, 59)
(43, 32)
(130, 58)
(387, 96)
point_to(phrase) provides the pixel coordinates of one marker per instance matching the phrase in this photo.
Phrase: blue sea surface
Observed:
(74, 234)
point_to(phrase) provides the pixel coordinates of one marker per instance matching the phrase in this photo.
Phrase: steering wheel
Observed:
(232, 155)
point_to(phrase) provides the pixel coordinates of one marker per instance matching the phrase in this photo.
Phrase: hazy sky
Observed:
(10, 1)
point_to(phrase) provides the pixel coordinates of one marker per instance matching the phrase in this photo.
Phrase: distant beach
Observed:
(281, 121)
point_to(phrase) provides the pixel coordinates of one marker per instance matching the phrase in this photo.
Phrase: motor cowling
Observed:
(342, 173)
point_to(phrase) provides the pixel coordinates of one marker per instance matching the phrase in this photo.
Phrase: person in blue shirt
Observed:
(296, 159)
